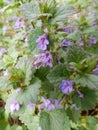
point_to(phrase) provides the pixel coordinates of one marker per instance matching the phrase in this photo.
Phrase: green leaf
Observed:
(87, 80)
(75, 54)
(85, 66)
(33, 37)
(4, 82)
(73, 114)
(42, 72)
(24, 97)
(89, 100)
(30, 10)
(11, 6)
(54, 120)
(74, 36)
(57, 74)
(25, 65)
(30, 94)
(61, 13)
(31, 121)
(91, 123)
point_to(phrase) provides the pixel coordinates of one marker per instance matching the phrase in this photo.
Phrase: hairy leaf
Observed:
(58, 73)
(55, 120)
(89, 100)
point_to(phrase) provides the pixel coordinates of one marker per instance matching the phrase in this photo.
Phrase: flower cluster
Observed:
(50, 104)
(66, 86)
(43, 59)
(19, 23)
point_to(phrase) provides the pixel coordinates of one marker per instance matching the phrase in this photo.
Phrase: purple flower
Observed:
(67, 29)
(57, 103)
(66, 86)
(38, 128)
(65, 43)
(42, 42)
(19, 22)
(75, 107)
(43, 59)
(80, 43)
(80, 94)
(2, 50)
(6, 72)
(31, 105)
(95, 71)
(4, 28)
(93, 40)
(47, 104)
(50, 104)
(14, 106)
(94, 23)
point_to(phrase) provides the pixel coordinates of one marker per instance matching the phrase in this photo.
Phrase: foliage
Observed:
(48, 65)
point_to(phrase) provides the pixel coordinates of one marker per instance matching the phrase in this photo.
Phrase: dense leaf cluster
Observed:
(48, 64)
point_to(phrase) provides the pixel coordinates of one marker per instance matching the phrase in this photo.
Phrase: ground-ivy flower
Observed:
(67, 29)
(66, 86)
(43, 59)
(31, 105)
(50, 104)
(15, 106)
(95, 71)
(38, 128)
(80, 43)
(2, 51)
(19, 22)
(42, 42)
(66, 43)
(93, 40)
(75, 107)
(80, 94)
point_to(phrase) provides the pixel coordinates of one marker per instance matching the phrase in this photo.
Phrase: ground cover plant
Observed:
(48, 65)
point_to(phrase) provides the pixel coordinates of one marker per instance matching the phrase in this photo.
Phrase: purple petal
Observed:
(80, 94)
(65, 43)
(66, 86)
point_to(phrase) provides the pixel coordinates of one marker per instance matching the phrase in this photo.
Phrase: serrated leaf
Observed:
(58, 73)
(54, 120)
(91, 123)
(89, 100)
(25, 65)
(33, 37)
(30, 10)
(75, 54)
(74, 36)
(87, 80)
(4, 82)
(42, 72)
(73, 114)
(61, 13)
(30, 94)
(29, 120)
